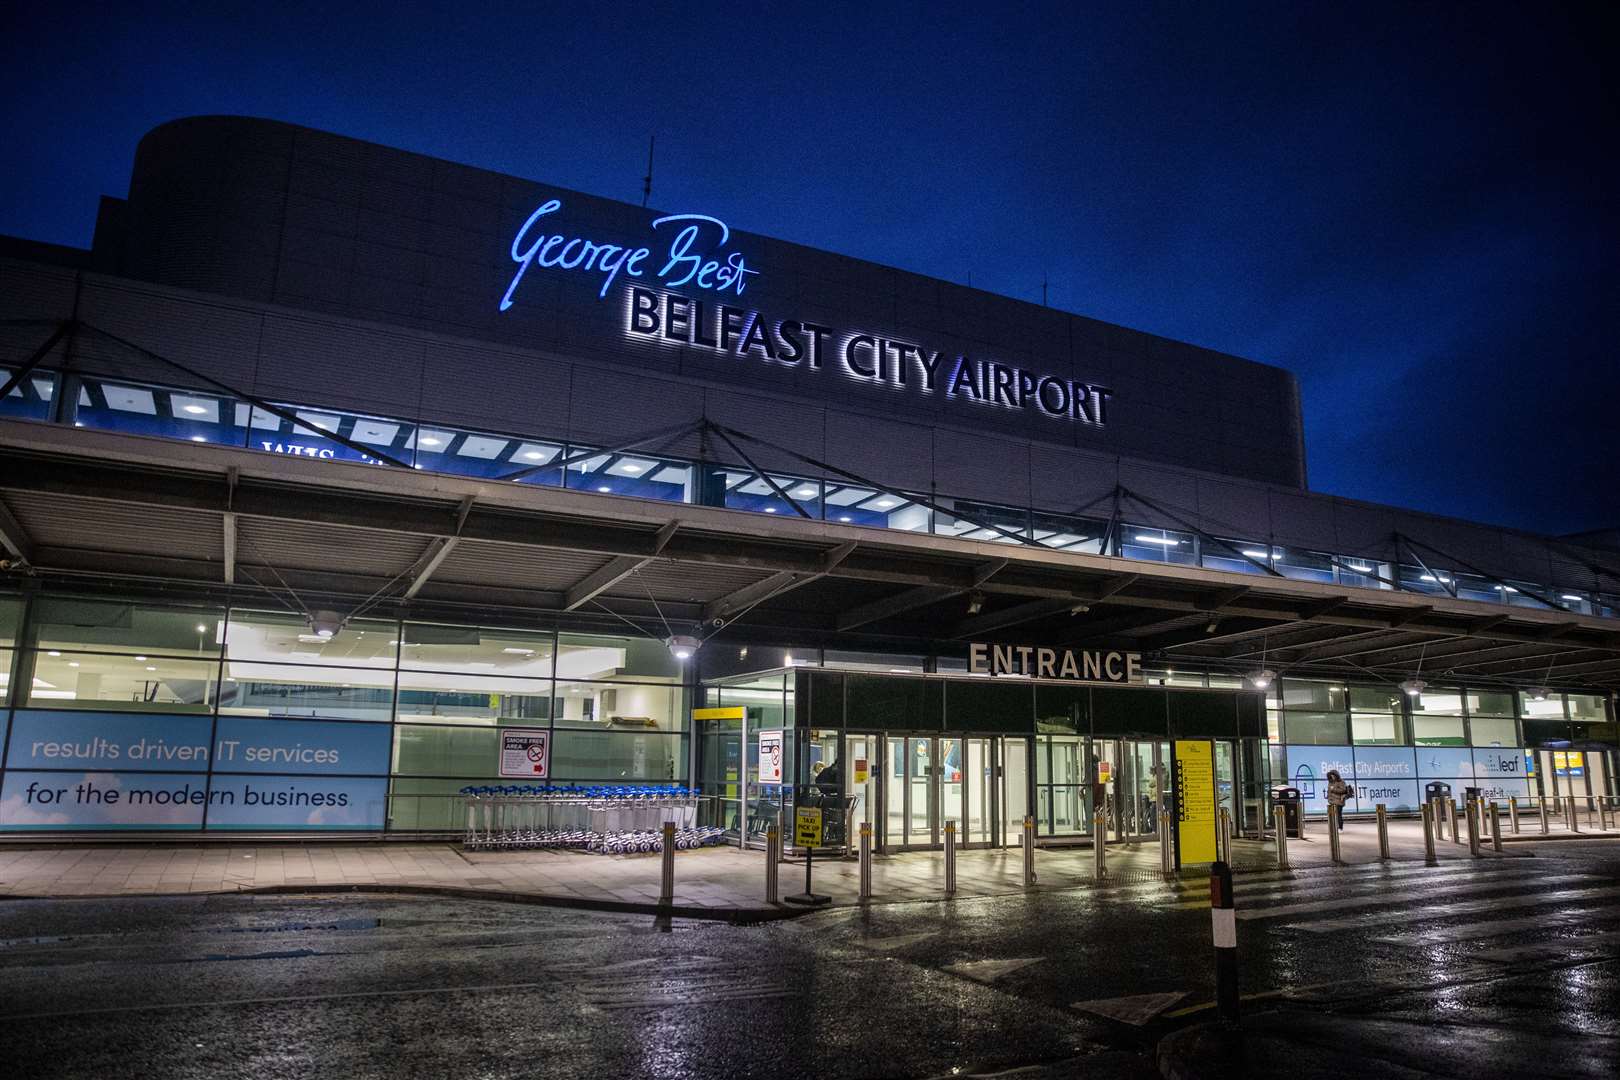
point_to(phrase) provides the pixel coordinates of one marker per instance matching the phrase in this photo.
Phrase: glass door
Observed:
(1226, 789)
(862, 774)
(1014, 793)
(922, 792)
(895, 789)
(979, 790)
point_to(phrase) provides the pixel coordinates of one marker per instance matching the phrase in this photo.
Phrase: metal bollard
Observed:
(1333, 837)
(1453, 812)
(1603, 812)
(1471, 810)
(773, 847)
(1428, 835)
(1383, 832)
(866, 862)
(1099, 844)
(1029, 851)
(1226, 836)
(950, 858)
(1223, 923)
(1281, 815)
(1574, 821)
(1542, 803)
(1513, 814)
(666, 890)
(1166, 856)
(1496, 828)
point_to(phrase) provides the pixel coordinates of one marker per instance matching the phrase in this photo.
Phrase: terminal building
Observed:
(329, 467)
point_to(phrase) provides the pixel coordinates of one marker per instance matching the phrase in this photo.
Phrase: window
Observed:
(1065, 533)
(105, 654)
(742, 489)
(1587, 707)
(1303, 565)
(1312, 694)
(1158, 545)
(477, 650)
(981, 521)
(619, 706)
(1315, 729)
(1489, 703)
(1493, 731)
(637, 475)
(618, 756)
(1239, 556)
(113, 626)
(1377, 729)
(30, 399)
(1437, 730)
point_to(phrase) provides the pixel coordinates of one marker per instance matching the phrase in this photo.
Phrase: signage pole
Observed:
(1223, 921)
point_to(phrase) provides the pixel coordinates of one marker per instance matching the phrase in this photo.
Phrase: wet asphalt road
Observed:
(1505, 969)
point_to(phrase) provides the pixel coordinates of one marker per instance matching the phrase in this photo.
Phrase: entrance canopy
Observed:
(127, 510)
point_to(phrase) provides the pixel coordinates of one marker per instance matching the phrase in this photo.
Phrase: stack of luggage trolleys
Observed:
(604, 819)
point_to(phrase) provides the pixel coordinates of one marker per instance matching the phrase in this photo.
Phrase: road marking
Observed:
(1446, 877)
(899, 941)
(1562, 948)
(1260, 890)
(1279, 911)
(1433, 911)
(1136, 1010)
(988, 971)
(1500, 927)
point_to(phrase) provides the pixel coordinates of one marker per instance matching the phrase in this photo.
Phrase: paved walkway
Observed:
(714, 882)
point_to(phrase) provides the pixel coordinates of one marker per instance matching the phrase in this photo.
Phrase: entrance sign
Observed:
(1087, 665)
(770, 757)
(807, 826)
(1195, 800)
(526, 752)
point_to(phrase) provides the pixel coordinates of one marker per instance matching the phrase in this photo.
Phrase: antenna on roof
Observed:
(646, 181)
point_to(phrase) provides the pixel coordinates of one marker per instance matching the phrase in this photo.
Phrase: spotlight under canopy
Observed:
(682, 646)
(1262, 678)
(1413, 687)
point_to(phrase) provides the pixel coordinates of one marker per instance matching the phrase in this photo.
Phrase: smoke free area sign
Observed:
(525, 753)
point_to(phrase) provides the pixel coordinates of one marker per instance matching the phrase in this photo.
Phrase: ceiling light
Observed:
(883, 504)
(844, 518)
(975, 602)
(1413, 687)
(805, 492)
(199, 438)
(1572, 598)
(428, 440)
(141, 658)
(604, 489)
(195, 410)
(1079, 609)
(631, 469)
(1253, 553)
(53, 652)
(73, 663)
(202, 628)
(1209, 628)
(1539, 693)
(682, 646)
(518, 652)
(770, 509)
(532, 455)
(149, 667)
(1261, 679)
(1360, 568)
(325, 624)
(1144, 538)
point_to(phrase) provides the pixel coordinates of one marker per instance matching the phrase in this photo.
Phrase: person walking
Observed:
(1337, 793)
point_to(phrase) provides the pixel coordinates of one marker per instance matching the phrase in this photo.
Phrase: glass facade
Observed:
(136, 715)
(307, 431)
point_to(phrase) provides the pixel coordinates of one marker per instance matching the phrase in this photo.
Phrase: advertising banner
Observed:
(525, 753)
(1308, 767)
(1388, 775)
(297, 802)
(1443, 762)
(770, 757)
(50, 739)
(1195, 801)
(1497, 763)
(101, 800)
(251, 744)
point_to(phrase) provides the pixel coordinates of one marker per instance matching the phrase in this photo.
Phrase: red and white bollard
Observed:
(1223, 921)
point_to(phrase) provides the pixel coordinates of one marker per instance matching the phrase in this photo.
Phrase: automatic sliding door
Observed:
(895, 789)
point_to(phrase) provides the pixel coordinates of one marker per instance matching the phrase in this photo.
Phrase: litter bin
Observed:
(1288, 799)
(1434, 793)
(1473, 794)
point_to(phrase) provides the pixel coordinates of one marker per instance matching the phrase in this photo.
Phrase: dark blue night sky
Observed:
(1413, 207)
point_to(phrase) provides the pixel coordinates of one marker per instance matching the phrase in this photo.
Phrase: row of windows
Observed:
(302, 431)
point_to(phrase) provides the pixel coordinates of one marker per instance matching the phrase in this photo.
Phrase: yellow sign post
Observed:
(807, 826)
(1195, 801)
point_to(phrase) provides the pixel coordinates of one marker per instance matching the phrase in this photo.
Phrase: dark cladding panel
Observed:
(493, 388)
(800, 430)
(32, 291)
(1176, 493)
(322, 363)
(1251, 715)
(1195, 713)
(609, 407)
(1242, 511)
(1361, 529)
(826, 695)
(988, 706)
(1120, 711)
(1301, 520)
(981, 467)
(885, 451)
(881, 703)
(1063, 480)
(218, 341)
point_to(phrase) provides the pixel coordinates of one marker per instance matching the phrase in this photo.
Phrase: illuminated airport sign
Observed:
(1076, 665)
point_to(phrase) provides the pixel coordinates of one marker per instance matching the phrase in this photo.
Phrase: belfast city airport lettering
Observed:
(697, 258)
(1085, 665)
(871, 358)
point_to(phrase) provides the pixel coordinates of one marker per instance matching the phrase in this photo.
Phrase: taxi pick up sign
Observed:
(807, 826)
